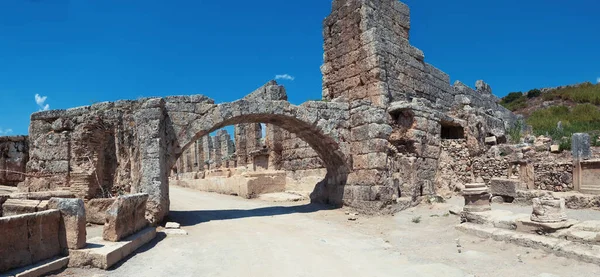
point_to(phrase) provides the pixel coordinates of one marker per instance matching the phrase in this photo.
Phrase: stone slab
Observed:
(40, 269)
(104, 254)
(12, 207)
(43, 195)
(28, 238)
(72, 233)
(179, 232)
(558, 247)
(504, 187)
(125, 216)
(529, 226)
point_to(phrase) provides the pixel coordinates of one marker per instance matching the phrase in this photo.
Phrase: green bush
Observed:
(583, 118)
(511, 97)
(534, 93)
(516, 132)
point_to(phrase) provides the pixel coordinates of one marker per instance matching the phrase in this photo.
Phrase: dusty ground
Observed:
(231, 236)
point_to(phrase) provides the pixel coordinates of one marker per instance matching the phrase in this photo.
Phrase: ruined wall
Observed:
(91, 151)
(14, 154)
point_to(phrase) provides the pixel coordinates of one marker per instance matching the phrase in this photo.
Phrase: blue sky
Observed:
(77, 52)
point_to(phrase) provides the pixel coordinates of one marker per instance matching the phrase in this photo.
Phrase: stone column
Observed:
(240, 144)
(549, 210)
(216, 152)
(207, 149)
(477, 198)
(273, 141)
(580, 147)
(150, 123)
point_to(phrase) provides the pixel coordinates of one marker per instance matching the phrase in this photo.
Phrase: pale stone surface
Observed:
(12, 207)
(43, 195)
(42, 268)
(549, 210)
(105, 254)
(477, 198)
(29, 238)
(529, 226)
(555, 148)
(125, 217)
(72, 233)
(580, 146)
(172, 225)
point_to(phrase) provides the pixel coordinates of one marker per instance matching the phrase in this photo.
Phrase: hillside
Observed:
(559, 112)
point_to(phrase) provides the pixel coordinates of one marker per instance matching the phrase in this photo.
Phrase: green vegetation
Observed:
(583, 118)
(514, 101)
(584, 93)
(416, 219)
(516, 132)
(534, 93)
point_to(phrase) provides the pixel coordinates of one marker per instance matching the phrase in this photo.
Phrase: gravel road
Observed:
(231, 236)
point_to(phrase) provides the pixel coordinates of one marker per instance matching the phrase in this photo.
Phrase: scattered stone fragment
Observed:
(172, 225)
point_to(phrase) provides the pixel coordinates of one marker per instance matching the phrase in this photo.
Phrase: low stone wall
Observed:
(125, 217)
(12, 207)
(29, 238)
(14, 154)
(247, 185)
(304, 180)
(554, 176)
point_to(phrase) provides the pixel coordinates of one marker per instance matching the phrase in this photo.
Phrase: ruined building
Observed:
(374, 140)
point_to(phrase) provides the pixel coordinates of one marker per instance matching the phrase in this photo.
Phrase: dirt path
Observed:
(231, 236)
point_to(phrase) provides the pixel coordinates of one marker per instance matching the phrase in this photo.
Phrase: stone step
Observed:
(104, 254)
(39, 269)
(558, 247)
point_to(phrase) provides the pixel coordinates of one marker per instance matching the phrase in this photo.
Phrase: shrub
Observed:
(511, 97)
(534, 93)
(516, 132)
(416, 219)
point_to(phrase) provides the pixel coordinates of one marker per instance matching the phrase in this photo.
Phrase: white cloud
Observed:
(284, 77)
(41, 102)
(598, 80)
(5, 132)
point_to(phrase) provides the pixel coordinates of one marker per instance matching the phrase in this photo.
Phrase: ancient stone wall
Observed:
(29, 238)
(14, 154)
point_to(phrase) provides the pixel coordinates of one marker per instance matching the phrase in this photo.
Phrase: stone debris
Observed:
(555, 148)
(172, 225)
(549, 210)
(353, 216)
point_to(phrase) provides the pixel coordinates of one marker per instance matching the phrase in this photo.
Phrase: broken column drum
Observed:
(477, 198)
(549, 210)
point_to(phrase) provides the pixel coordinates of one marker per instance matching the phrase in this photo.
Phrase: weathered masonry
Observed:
(377, 132)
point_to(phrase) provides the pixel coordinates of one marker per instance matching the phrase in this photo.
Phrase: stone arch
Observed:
(309, 123)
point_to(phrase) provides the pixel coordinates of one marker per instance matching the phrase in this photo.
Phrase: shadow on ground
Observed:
(190, 218)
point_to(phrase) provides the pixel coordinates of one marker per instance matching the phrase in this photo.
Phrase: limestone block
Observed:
(72, 233)
(491, 140)
(95, 209)
(125, 216)
(555, 148)
(549, 210)
(504, 187)
(580, 146)
(43, 195)
(12, 207)
(529, 226)
(477, 198)
(29, 238)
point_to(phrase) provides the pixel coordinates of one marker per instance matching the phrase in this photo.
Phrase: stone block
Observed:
(43, 195)
(549, 210)
(12, 207)
(72, 233)
(95, 209)
(491, 140)
(529, 226)
(555, 148)
(580, 146)
(105, 254)
(504, 187)
(29, 238)
(125, 216)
